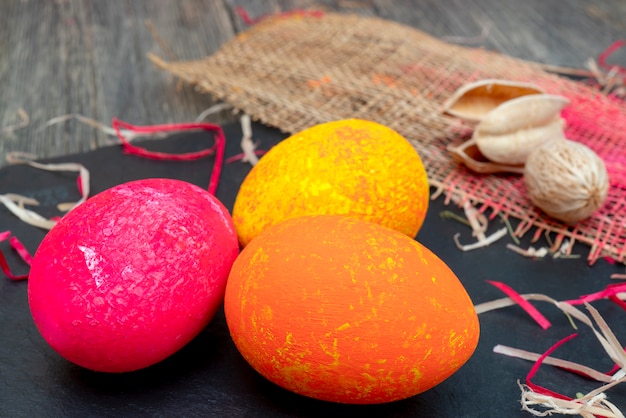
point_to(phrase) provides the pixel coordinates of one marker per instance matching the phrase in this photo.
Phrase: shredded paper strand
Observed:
(217, 149)
(593, 404)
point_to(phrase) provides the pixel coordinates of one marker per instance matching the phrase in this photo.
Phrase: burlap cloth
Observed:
(292, 72)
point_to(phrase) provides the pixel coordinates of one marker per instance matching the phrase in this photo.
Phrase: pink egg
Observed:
(133, 274)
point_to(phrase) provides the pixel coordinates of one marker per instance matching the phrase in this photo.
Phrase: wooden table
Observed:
(88, 58)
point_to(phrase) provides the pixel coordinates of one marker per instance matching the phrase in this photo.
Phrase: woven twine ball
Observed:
(566, 179)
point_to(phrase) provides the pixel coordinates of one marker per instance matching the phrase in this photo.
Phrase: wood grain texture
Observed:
(89, 57)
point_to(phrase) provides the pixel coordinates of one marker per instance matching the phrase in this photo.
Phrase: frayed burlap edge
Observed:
(297, 71)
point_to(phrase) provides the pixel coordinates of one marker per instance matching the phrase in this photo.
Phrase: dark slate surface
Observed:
(209, 377)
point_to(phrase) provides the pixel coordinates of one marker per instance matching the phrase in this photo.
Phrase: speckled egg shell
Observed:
(344, 310)
(352, 167)
(133, 274)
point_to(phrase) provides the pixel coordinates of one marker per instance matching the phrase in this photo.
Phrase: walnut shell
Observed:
(566, 179)
(508, 133)
(474, 100)
(469, 155)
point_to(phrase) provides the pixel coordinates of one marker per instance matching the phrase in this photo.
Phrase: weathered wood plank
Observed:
(549, 32)
(89, 57)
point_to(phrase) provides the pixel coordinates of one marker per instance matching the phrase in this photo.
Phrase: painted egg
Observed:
(133, 274)
(348, 167)
(344, 310)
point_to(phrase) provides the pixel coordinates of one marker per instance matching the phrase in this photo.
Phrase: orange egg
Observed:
(344, 310)
(350, 167)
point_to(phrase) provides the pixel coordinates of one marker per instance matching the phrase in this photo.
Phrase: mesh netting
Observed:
(297, 71)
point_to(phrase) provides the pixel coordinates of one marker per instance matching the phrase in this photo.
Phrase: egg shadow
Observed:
(201, 357)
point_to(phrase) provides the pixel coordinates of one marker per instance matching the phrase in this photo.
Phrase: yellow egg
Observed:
(348, 167)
